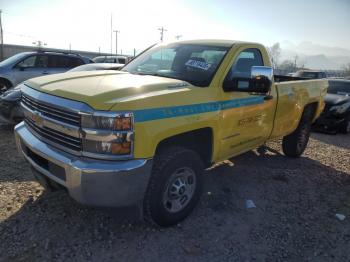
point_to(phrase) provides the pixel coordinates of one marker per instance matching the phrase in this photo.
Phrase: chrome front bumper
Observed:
(89, 181)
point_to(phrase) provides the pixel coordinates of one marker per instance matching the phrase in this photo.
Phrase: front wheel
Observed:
(175, 186)
(294, 144)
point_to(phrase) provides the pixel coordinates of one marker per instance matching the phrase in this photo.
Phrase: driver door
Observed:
(248, 120)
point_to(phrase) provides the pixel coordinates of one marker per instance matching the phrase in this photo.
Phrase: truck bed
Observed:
(293, 94)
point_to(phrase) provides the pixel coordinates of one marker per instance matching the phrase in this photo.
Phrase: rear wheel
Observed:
(175, 186)
(345, 126)
(293, 145)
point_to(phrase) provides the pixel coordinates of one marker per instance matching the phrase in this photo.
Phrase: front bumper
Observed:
(89, 181)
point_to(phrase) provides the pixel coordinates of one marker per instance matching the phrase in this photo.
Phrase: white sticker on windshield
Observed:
(198, 64)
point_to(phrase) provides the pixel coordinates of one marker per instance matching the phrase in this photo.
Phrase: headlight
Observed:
(118, 122)
(340, 109)
(107, 134)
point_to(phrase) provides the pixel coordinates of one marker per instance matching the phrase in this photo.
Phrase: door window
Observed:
(242, 67)
(57, 61)
(28, 62)
(121, 60)
(41, 61)
(38, 61)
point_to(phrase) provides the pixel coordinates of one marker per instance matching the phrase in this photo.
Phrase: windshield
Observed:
(339, 87)
(13, 59)
(195, 64)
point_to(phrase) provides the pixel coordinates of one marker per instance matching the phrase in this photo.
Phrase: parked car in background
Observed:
(10, 109)
(336, 114)
(311, 74)
(111, 59)
(97, 66)
(26, 65)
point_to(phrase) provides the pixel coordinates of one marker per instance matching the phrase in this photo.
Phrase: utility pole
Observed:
(1, 39)
(70, 47)
(162, 30)
(116, 41)
(178, 37)
(134, 52)
(39, 44)
(111, 31)
(295, 61)
(99, 50)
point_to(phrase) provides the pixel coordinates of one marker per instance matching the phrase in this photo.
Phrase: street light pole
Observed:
(116, 41)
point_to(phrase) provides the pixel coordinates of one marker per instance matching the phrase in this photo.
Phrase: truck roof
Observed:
(216, 42)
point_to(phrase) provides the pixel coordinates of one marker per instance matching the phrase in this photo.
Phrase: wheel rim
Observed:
(303, 137)
(179, 190)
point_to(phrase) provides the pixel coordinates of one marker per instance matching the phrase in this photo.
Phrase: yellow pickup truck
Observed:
(143, 136)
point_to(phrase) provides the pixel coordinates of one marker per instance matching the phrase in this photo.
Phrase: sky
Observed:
(86, 25)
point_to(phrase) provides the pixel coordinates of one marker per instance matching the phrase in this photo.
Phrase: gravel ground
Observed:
(294, 219)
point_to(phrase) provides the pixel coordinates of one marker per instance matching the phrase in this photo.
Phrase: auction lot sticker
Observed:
(198, 64)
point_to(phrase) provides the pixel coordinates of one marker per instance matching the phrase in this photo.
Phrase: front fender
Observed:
(149, 134)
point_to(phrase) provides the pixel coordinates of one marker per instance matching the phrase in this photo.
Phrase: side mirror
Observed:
(259, 82)
(261, 79)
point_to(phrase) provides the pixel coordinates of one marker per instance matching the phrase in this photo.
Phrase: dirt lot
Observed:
(294, 219)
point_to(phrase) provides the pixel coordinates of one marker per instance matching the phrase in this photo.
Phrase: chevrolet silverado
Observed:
(143, 136)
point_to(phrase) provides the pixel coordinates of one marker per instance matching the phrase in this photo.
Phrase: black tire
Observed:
(4, 86)
(166, 164)
(294, 144)
(345, 126)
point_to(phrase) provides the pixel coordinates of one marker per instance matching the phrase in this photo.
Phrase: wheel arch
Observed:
(6, 81)
(199, 140)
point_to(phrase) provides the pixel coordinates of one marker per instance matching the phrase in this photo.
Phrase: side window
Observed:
(74, 62)
(41, 61)
(57, 61)
(121, 60)
(27, 62)
(110, 60)
(241, 68)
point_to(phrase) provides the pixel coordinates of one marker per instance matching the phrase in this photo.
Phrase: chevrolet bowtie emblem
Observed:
(38, 120)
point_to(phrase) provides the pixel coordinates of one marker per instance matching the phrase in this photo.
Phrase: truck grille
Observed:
(56, 137)
(51, 112)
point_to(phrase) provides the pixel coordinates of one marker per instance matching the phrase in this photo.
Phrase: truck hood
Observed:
(332, 99)
(103, 89)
